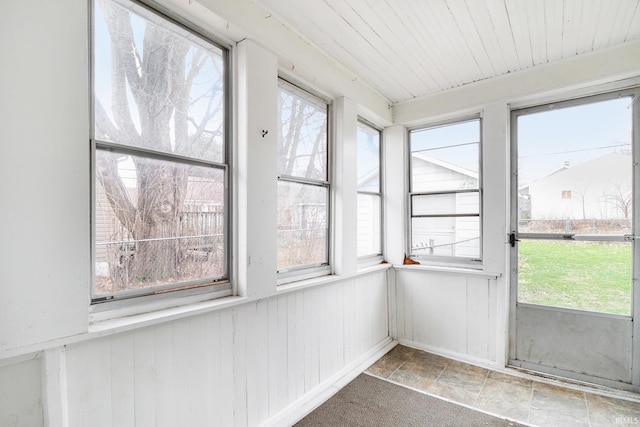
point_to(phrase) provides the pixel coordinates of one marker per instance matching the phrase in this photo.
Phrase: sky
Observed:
(546, 140)
(457, 143)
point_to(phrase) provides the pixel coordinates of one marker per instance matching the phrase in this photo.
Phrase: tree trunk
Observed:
(161, 194)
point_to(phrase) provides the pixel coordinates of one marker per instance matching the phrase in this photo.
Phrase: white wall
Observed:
(236, 361)
(44, 172)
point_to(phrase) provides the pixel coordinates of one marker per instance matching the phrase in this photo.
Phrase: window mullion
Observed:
(153, 154)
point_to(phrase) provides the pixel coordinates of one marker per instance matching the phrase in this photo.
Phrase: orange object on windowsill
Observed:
(409, 261)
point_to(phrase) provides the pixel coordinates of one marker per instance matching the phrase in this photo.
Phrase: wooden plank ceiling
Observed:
(412, 48)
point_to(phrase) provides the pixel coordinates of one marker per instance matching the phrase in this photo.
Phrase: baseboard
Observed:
(323, 391)
(461, 357)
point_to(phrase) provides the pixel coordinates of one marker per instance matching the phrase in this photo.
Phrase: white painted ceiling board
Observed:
(428, 38)
(390, 22)
(416, 71)
(603, 32)
(534, 11)
(470, 36)
(633, 30)
(377, 45)
(456, 50)
(571, 12)
(347, 46)
(483, 21)
(506, 46)
(553, 21)
(407, 49)
(519, 27)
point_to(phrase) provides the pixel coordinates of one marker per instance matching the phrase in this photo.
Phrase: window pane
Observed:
(575, 169)
(156, 85)
(446, 204)
(302, 140)
(445, 158)
(369, 225)
(302, 225)
(446, 236)
(592, 276)
(368, 159)
(157, 223)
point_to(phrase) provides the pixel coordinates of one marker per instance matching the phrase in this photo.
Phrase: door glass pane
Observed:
(590, 276)
(575, 169)
(575, 177)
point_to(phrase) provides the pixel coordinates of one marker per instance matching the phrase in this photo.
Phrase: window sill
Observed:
(369, 261)
(327, 280)
(126, 323)
(449, 270)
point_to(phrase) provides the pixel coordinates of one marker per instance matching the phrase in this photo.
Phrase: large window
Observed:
(303, 181)
(160, 158)
(445, 192)
(369, 192)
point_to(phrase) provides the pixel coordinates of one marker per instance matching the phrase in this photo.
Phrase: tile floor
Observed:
(517, 398)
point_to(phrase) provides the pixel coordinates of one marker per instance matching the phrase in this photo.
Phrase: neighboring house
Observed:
(369, 211)
(598, 189)
(447, 236)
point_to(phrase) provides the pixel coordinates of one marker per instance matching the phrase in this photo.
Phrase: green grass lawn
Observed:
(589, 276)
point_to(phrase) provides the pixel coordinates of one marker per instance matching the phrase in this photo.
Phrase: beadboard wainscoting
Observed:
(448, 313)
(237, 366)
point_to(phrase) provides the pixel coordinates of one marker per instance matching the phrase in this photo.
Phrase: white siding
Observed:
(368, 224)
(427, 176)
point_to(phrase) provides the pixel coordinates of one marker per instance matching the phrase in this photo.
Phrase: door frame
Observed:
(634, 327)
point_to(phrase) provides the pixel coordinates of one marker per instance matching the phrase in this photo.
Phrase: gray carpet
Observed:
(368, 401)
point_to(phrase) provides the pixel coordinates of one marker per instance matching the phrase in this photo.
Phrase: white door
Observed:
(573, 241)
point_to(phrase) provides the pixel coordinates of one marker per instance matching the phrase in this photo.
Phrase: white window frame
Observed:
(125, 302)
(443, 260)
(372, 258)
(311, 270)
